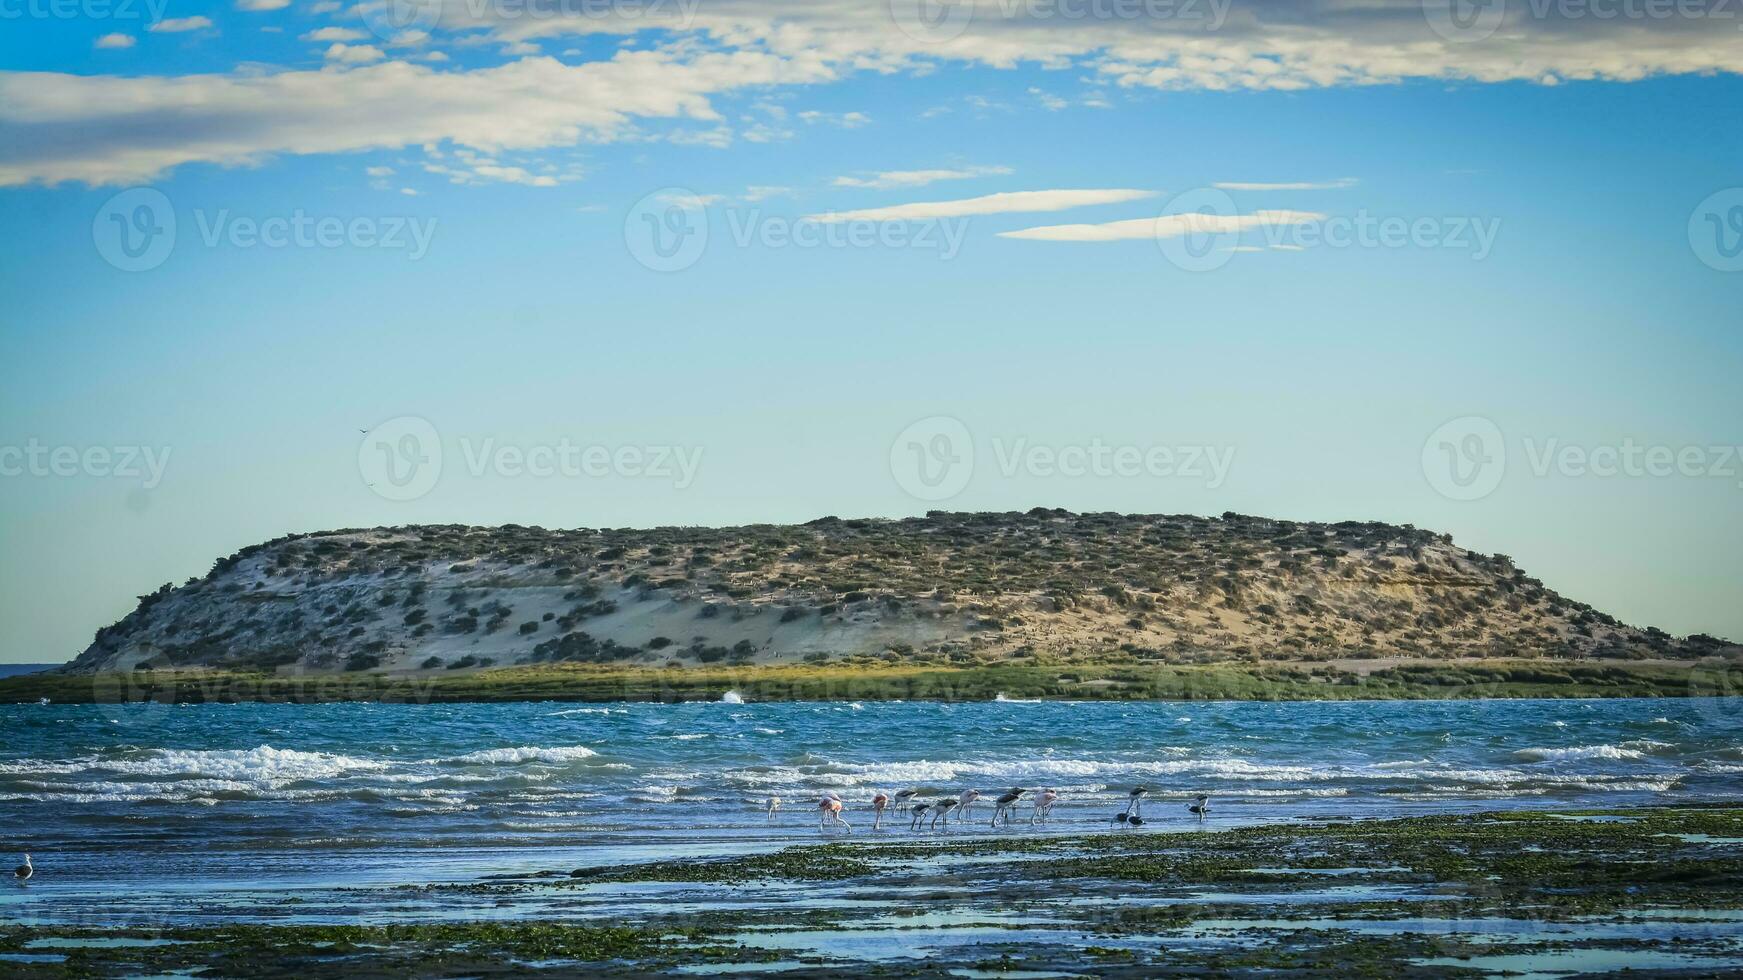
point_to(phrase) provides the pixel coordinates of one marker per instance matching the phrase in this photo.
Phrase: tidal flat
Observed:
(1657, 891)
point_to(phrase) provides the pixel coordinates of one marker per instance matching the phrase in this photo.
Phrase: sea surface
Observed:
(171, 813)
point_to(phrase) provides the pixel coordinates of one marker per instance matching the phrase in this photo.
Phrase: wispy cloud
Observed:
(179, 25)
(115, 41)
(846, 120)
(1305, 185)
(1008, 203)
(918, 178)
(1166, 226)
(353, 54)
(334, 34)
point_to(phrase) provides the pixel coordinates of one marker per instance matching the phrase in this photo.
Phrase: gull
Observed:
(23, 871)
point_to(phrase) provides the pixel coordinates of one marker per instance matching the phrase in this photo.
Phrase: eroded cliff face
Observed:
(946, 588)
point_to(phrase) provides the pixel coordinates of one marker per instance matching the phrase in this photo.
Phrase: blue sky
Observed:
(1562, 289)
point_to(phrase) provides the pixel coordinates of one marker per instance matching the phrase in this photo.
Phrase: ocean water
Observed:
(128, 808)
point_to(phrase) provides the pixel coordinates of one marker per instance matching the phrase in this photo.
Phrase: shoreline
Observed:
(1284, 681)
(1656, 889)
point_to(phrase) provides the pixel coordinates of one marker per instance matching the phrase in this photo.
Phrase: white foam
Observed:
(1578, 752)
(525, 753)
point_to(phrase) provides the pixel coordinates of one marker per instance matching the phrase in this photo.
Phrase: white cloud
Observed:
(1166, 226)
(261, 5)
(757, 192)
(334, 34)
(112, 42)
(845, 120)
(1275, 44)
(95, 129)
(692, 200)
(1049, 101)
(379, 171)
(1324, 185)
(353, 54)
(918, 178)
(1008, 203)
(179, 25)
(325, 7)
(59, 126)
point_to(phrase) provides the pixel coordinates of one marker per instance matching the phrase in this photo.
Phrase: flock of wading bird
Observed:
(930, 812)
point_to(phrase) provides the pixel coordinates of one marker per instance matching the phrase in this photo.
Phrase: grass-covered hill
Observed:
(1041, 587)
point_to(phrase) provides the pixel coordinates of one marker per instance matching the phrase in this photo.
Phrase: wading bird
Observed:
(1044, 806)
(903, 798)
(919, 811)
(830, 808)
(1201, 807)
(968, 798)
(943, 810)
(879, 802)
(1004, 803)
(1134, 803)
(24, 871)
(774, 807)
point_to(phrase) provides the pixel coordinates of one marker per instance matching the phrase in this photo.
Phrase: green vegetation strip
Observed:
(1259, 682)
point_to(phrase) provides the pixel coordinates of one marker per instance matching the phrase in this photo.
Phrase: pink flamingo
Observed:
(1044, 806)
(830, 807)
(879, 802)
